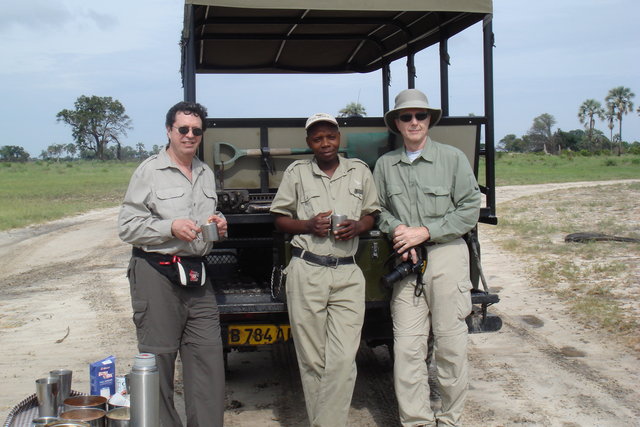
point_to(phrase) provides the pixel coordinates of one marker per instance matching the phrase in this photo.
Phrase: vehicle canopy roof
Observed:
(328, 36)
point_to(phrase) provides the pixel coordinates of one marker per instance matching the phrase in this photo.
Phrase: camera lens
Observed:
(401, 271)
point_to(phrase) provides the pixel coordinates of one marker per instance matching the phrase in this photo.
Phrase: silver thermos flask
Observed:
(144, 386)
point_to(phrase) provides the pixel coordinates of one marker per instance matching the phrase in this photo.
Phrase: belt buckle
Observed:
(336, 264)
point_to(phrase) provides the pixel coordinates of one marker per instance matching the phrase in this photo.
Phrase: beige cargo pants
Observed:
(326, 311)
(445, 304)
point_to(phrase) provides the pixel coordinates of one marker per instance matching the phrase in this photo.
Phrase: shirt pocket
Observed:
(398, 199)
(436, 202)
(354, 207)
(310, 202)
(169, 202)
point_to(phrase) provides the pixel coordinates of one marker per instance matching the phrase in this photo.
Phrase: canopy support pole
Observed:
(489, 136)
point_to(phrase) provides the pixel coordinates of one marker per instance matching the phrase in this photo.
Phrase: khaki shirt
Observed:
(160, 193)
(305, 191)
(438, 191)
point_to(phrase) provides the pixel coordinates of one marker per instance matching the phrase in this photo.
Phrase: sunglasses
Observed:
(408, 117)
(185, 130)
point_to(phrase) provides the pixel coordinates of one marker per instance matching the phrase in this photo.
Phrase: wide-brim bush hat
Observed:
(411, 98)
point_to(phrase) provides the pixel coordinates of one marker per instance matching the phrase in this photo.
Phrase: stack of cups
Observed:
(64, 385)
(51, 393)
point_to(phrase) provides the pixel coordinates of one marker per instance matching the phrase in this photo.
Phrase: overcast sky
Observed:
(550, 56)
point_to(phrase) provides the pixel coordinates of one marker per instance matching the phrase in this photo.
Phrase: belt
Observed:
(158, 257)
(326, 261)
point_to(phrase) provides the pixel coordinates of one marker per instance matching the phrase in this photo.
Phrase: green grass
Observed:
(595, 279)
(36, 192)
(518, 169)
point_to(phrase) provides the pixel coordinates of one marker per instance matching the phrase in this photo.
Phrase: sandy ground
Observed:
(65, 303)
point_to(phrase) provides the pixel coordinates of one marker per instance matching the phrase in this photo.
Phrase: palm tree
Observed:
(609, 117)
(587, 113)
(619, 101)
(353, 109)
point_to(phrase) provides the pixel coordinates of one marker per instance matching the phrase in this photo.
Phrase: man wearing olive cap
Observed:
(429, 199)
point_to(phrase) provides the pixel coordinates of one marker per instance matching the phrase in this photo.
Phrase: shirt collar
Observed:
(164, 161)
(428, 153)
(342, 169)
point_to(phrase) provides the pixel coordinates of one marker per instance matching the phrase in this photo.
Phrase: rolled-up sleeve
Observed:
(285, 201)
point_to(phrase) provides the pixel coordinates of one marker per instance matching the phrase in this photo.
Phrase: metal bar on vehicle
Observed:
(264, 165)
(411, 71)
(444, 74)
(189, 58)
(386, 82)
(489, 136)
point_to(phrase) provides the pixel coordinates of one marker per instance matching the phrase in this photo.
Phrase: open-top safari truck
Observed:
(249, 155)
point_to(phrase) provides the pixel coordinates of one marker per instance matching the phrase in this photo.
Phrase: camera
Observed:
(402, 270)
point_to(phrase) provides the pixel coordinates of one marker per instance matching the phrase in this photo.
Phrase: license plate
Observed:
(258, 334)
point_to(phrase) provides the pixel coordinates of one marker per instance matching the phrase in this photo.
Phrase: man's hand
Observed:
(405, 238)
(185, 229)
(350, 228)
(221, 223)
(320, 225)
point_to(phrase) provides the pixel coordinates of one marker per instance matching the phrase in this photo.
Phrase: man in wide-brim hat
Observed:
(429, 199)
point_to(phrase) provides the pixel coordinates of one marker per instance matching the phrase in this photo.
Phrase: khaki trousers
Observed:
(445, 304)
(326, 311)
(171, 319)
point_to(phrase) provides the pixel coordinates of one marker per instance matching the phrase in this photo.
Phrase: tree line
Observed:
(542, 138)
(98, 125)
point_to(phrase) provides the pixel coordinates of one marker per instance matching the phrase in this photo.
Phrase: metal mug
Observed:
(119, 417)
(85, 402)
(210, 232)
(337, 219)
(47, 396)
(64, 384)
(93, 417)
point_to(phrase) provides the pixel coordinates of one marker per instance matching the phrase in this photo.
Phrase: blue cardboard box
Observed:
(102, 377)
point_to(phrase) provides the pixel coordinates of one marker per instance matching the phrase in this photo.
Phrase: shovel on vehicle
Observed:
(237, 153)
(365, 146)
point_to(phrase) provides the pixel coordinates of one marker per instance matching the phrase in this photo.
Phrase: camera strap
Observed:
(418, 291)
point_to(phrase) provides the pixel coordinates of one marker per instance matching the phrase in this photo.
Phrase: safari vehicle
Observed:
(249, 155)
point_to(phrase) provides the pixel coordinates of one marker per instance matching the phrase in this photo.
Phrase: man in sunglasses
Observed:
(170, 196)
(429, 198)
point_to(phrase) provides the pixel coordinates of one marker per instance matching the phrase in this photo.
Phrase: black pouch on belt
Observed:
(181, 270)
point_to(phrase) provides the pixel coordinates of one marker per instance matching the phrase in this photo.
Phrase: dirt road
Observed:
(65, 303)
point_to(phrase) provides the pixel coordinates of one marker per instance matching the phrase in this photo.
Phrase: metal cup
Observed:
(337, 219)
(43, 421)
(93, 417)
(64, 384)
(210, 232)
(85, 402)
(47, 396)
(119, 417)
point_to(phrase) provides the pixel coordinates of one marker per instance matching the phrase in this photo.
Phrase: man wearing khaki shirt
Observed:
(429, 198)
(325, 288)
(170, 196)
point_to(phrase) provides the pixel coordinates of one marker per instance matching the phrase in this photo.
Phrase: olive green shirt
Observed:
(305, 191)
(160, 193)
(438, 190)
